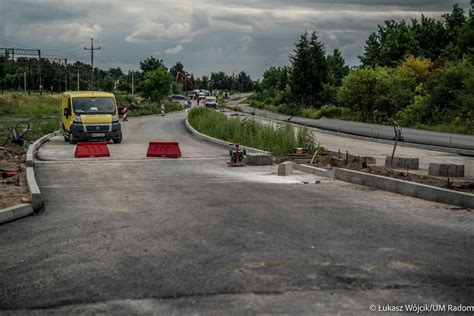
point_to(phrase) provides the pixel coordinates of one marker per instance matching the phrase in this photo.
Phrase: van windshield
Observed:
(94, 105)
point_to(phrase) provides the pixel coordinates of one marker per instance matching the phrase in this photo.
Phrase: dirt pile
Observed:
(13, 186)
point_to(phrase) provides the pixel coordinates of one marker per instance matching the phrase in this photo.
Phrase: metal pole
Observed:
(78, 78)
(3, 70)
(39, 71)
(92, 63)
(133, 87)
(65, 85)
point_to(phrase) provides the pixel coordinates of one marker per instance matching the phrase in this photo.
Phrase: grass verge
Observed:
(278, 140)
(41, 111)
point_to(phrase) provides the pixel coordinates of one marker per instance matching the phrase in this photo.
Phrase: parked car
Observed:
(211, 102)
(181, 99)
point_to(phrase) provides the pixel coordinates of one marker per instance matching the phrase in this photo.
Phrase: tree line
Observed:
(418, 72)
(153, 80)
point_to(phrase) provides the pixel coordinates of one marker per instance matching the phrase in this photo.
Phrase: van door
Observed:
(67, 120)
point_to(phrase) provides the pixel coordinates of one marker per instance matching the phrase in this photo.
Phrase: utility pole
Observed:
(65, 84)
(92, 49)
(133, 84)
(39, 72)
(3, 69)
(78, 78)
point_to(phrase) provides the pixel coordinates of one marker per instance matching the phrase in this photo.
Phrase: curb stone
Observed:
(21, 210)
(413, 189)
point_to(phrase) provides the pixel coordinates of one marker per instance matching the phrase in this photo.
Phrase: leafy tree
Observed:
(156, 84)
(465, 43)
(178, 67)
(431, 37)
(151, 63)
(244, 82)
(115, 73)
(446, 98)
(337, 68)
(454, 21)
(398, 41)
(365, 91)
(371, 56)
(310, 71)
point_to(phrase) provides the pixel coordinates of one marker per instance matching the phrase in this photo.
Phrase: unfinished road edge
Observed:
(412, 189)
(12, 213)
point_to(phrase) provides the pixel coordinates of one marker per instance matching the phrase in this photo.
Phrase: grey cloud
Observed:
(42, 12)
(211, 35)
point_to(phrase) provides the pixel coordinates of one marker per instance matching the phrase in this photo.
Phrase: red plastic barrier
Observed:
(87, 150)
(164, 149)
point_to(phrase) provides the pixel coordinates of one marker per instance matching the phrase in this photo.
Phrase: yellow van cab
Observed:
(90, 115)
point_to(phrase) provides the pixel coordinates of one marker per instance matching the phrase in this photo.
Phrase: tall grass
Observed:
(279, 140)
(41, 111)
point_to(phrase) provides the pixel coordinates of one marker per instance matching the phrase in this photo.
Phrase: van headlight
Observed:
(77, 119)
(115, 118)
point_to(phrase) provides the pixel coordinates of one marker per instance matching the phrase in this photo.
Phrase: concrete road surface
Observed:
(130, 235)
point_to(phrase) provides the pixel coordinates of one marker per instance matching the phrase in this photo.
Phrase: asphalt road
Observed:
(410, 135)
(130, 235)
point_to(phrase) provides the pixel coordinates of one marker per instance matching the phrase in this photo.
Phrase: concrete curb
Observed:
(413, 189)
(31, 153)
(314, 170)
(221, 142)
(11, 213)
(21, 210)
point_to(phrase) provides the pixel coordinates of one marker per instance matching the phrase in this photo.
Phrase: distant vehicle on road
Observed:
(181, 99)
(202, 96)
(90, 115)
(211, 102)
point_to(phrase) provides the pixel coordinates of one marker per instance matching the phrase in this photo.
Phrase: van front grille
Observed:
(98, 128)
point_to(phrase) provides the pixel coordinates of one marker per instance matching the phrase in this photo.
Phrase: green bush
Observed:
(278, 140)
(327, 111)
(152, 108)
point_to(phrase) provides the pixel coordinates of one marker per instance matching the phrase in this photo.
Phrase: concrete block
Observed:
(22, 210)
(314, 170)
(258, 159)
(285, 169)
(6, 215)
(17, 211)
(403, 163)
(446, 170)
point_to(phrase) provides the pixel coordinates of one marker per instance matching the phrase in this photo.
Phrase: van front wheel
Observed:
(118, 140)
(72, 139)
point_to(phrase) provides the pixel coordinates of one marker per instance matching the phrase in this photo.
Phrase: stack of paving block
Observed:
(446, 170)
(402, 163)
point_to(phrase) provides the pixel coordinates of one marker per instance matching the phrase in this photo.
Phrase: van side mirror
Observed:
(67, 112)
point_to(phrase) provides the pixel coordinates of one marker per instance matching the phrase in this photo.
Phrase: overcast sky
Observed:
(205, 35)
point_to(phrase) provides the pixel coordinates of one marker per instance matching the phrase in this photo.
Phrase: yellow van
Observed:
(90, 115)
